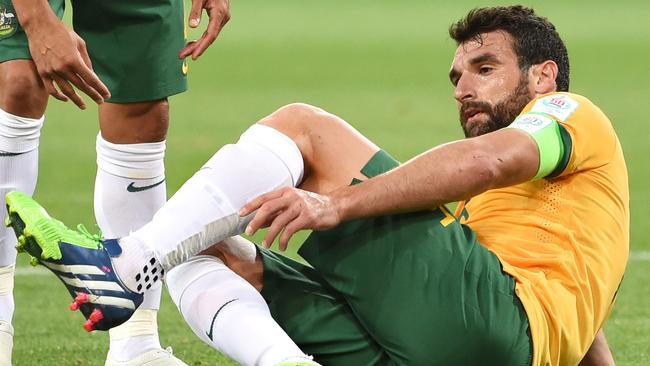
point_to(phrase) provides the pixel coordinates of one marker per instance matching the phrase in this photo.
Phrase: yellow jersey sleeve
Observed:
(588, 137)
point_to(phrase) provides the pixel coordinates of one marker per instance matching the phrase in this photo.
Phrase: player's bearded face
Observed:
(499, 114)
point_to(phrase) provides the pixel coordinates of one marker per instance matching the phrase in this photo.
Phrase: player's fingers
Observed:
(259, 201)
(218, 18)
(291, 228)
(83, 52)
(99, 89)
(195, 13)
(266, 214)
(202, 44)
(67, 89)
(279, 223)
(81, 84)
(52, 90)
(187, 50)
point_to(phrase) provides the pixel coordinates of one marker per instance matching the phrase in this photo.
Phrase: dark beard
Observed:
(500, 115)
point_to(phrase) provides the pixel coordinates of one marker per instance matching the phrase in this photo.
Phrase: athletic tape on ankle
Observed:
(19, 134)
(213, 233)
(142, 323)
(138, 161)
(7, 279)
(241, 248)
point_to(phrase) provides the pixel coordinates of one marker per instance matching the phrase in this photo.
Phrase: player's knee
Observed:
(22, 91)
(300, 110)
(299, 121)
(129, 123)
(294, 118)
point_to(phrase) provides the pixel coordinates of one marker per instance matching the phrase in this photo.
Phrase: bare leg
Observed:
(599, 353)
(134, 123)
(333, 153)
(22, 91)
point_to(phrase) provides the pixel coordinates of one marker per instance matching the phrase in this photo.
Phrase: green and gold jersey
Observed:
(565, 238)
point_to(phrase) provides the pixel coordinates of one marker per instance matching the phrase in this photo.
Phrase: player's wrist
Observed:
(37, 18)
(343, 203)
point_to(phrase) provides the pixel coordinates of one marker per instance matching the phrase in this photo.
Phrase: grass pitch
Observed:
(381, 65)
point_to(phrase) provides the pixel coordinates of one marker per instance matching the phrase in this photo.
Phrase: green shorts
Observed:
(407, 289)
(133, 44)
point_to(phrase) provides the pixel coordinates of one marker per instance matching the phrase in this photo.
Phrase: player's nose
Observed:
(464, 90)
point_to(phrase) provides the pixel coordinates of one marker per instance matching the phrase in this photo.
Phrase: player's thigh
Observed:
(315, 316)
(134, 46)
(333, 151)
(424, 288)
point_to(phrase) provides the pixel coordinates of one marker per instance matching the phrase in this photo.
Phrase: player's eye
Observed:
(484, 70)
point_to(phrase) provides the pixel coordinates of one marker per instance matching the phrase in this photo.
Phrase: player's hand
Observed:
(62, 61)
(288, 210)
(218, 13)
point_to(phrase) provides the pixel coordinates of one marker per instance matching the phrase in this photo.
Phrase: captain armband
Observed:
(547, 135)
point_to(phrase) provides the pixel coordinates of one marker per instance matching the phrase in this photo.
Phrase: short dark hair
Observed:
(535, 38)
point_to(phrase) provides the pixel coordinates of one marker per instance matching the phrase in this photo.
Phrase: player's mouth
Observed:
(472, 115)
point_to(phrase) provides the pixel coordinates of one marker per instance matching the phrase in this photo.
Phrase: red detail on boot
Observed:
(88, 326)
(93, 319)
(96, 316)
(81, 298)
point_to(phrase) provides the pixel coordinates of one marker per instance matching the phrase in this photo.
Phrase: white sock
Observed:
(135, 337)
(129, 189)
(19, 137)
(227, 313)
(6, 293)
(204, 210)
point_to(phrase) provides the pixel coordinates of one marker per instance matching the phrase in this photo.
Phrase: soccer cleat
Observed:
(156, 357)
(80, 260)
(6, 343)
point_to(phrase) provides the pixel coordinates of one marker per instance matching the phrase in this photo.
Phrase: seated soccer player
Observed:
(526, 275)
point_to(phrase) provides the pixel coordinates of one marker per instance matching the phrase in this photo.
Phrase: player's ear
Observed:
(543, 77)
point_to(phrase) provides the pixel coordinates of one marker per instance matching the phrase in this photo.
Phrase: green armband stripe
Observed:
(549, 143)
(567, 145)
(548, 135)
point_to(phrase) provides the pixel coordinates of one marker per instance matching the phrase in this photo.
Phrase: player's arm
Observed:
(451, 172)
(599, 353)
(530, 148)
(59, 54)
(447, 173)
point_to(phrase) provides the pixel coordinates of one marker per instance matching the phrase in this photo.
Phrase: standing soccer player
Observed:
(137, 50)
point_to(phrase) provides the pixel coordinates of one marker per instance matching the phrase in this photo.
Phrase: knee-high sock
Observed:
(129, 189)
(204, 210)
(19, 137)
(227, 313)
